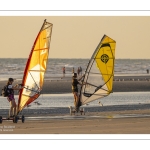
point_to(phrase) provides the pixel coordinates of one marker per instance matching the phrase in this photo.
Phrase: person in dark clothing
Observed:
(75, 83)
(147, 71)
(10, 96)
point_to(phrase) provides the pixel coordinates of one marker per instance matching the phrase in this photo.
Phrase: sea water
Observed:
(14, 67)
(66, 100)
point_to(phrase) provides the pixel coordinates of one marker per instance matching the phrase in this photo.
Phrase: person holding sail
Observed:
(10, 97)
(75, 83)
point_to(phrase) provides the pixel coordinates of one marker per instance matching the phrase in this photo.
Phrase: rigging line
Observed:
(97, 94)
(33, 79)
(96, 98)
(46, 28)
(101, 86)
(31, 90)
(91, 84)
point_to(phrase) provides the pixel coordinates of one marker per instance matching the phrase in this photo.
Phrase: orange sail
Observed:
(35, 68)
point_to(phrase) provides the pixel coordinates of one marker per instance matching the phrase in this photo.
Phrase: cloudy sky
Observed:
(76, 36)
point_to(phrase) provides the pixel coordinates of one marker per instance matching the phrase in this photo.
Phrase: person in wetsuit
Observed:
(75, 83)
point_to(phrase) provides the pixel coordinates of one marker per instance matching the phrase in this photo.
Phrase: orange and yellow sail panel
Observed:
(36, 66)
(98, 80)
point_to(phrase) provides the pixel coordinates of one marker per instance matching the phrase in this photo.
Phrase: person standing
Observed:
(64, 71)
(147, 71)
(80, 70)
(73, 70)
(75, 83)
(10, 97)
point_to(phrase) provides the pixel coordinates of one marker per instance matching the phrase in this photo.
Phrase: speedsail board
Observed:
(35, 67)
(99, 74)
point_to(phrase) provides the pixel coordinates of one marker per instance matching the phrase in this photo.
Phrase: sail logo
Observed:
(104, 58)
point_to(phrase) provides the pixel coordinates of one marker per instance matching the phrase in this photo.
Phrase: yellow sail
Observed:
(98, 80)
(106, 62)
(36, 66)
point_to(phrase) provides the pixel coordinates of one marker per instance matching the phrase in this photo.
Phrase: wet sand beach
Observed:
(117, 122)
(124, 119)
(57, 85)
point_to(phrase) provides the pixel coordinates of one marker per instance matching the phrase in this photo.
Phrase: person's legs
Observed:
(11, 109)
(63, 74)
(14, 107)
(76, 99)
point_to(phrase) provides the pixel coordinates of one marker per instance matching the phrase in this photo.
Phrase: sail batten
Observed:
(99, 74)
(41, 49)
(35, 67)
(36, 71)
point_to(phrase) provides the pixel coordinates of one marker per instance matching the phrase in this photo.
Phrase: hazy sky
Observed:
(76, 36)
